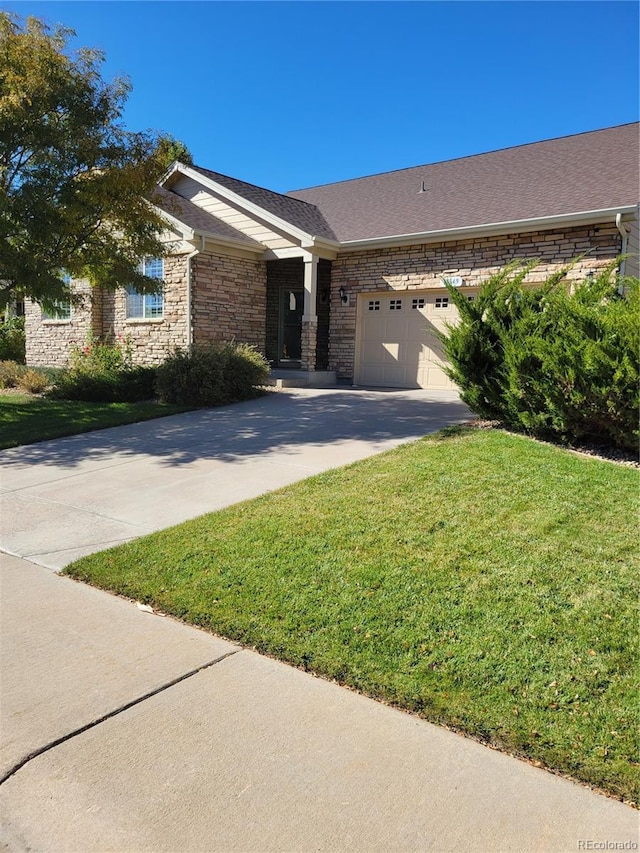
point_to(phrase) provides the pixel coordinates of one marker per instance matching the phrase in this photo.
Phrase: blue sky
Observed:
(294, 94)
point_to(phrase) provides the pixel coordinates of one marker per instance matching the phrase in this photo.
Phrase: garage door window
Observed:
(442, 301)
(417, 303)
(395, 305)
(374, 305)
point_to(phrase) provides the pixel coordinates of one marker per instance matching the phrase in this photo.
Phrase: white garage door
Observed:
(397, 342)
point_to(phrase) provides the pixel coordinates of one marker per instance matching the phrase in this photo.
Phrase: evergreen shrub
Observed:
(211, 375)
(557, 360)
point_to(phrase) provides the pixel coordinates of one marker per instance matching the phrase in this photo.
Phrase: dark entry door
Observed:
(290, 331)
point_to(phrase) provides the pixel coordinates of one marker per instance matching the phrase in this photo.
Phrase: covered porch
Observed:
(298, 306)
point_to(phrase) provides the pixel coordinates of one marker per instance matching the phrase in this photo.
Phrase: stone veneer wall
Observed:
(323, 308)
(49, 342)
(228, 298)
(475, 259)
(104, 315)
(151, 339)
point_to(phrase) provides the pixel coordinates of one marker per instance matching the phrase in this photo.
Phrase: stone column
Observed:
(308, 340)
(309, 316)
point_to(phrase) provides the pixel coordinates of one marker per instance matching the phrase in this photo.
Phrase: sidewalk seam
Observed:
(20, 764)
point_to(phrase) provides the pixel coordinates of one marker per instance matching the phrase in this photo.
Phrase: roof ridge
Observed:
(457, 159)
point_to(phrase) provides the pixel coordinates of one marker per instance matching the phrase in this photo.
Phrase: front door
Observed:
(290, 327)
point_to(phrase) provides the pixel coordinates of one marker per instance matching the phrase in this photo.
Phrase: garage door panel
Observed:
(398, 342)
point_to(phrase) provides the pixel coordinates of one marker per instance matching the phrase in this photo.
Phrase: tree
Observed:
(74, 182)
(170, 150)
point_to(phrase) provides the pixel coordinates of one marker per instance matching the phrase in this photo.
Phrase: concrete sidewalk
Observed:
(241, 754)
(62, 499)
(125, 731)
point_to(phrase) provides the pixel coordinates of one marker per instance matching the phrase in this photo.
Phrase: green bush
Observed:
(551, 362)
(102, 371)
(12, 340)
(129, 385)
(211, 375)
(100, 356)
(244, 371)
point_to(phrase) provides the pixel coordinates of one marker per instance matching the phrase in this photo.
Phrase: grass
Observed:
(479, 579)
(25, 419)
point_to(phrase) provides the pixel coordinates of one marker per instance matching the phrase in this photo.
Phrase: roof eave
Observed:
(247, 246)
(490, 229)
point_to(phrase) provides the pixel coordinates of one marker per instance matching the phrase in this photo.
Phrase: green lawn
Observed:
(25, 419)
(482, 580)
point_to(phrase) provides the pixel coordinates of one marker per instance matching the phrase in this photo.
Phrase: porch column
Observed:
(309, 316)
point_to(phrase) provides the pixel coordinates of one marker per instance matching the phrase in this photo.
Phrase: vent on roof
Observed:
(422, 189)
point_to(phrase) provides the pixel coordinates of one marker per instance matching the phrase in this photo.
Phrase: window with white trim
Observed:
(395, 305)
(147, 306)
(374, 305)
(442, 301)
(417, 303)
(61, 308)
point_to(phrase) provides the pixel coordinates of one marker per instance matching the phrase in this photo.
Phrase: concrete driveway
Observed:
(66, 498)
(125, 731)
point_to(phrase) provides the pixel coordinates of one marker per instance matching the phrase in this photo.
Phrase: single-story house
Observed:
(348, 277)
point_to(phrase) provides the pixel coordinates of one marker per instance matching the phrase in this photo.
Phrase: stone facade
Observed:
(236, 297)
(103, 315)
(309, 341)
(228, 303)
(151, 339)
(49, 342)
(228, 298)
(474, 259)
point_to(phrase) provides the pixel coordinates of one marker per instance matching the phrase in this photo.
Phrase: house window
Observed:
(61, 308)
(374, 305)
(147, 306)
(442, 301)
(395, 305)
(417, 303)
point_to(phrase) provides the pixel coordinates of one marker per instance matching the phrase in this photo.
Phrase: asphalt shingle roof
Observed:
(301, 213)
(572, 174)
(195, 217)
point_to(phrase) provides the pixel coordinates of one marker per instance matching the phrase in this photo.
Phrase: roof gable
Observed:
(278, 222)
(198, 220)
(300, 213)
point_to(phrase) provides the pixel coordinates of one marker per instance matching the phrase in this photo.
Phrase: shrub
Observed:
(244, 371)
(9, 374)
(115, 386)
(53, 374)
(33, 381)
(550, 362)
(12, 340)
(211, 375)
(100, 356)
(102, 372)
